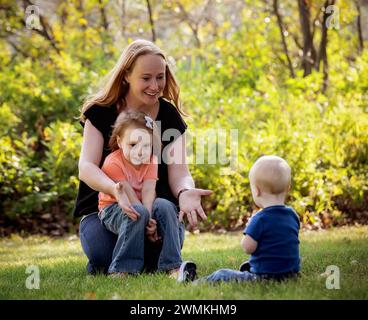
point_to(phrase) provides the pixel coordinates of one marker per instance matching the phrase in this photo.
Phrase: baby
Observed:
(271, 235)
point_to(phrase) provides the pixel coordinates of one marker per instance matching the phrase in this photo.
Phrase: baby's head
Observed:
(136, 135)
(270, 178)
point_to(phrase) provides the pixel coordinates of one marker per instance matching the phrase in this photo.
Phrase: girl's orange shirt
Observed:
(117, 168)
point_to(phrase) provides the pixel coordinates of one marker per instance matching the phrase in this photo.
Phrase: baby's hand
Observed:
(151, 231)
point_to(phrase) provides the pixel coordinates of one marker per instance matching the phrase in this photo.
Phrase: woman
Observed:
(140, 81)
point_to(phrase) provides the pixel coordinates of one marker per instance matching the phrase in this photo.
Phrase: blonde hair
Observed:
(114, 87)
(271, 174)
(138, 120)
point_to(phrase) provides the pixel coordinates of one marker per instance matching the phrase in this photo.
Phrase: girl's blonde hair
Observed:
(114, 87)
(138, 120)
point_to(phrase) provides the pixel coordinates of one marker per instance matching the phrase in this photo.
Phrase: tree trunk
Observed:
(322, 52)
(80, 8)
(284, 44)
(104, 22)
(309, 52)
(359, 27)
(192, 24)
(149, 8)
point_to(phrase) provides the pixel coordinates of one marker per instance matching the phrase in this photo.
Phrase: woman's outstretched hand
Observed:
(124, 203)
(190, 205)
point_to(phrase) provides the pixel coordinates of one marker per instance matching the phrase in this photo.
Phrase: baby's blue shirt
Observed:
(276, 230)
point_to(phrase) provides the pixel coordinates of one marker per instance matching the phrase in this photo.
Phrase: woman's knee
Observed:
(97, 242)
(165, 208)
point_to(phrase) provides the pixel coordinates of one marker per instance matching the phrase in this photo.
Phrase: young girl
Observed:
(134, 167)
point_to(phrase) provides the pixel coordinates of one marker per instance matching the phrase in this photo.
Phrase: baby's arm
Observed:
(249, 244)
(149, 193)
(253, 230)
(148, 196)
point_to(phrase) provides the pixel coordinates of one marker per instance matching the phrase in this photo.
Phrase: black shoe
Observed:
(245, 266)
(187, 272)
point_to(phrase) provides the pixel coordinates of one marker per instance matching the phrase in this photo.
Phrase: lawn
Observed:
(62, 270)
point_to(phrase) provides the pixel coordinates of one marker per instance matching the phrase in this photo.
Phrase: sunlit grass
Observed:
(62, 270)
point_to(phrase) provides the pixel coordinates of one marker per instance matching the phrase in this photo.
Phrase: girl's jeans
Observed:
(125, 247)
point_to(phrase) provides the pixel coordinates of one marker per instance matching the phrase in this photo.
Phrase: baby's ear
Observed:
(258, 191)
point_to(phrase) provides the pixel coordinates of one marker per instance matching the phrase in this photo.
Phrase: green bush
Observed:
(237, 79)
(62, 142)
(324, 138)
(32, 187)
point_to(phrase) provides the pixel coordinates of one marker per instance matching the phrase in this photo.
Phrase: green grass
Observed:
(62, 270)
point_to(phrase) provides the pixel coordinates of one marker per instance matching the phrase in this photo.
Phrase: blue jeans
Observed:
(99, 243)
(227, 275)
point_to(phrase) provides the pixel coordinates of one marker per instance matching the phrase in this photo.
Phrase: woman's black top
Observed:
(103, 118)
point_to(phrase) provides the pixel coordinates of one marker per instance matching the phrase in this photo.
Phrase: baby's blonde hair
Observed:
(271, 174)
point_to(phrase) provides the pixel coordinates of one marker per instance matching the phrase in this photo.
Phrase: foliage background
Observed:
(234, 71)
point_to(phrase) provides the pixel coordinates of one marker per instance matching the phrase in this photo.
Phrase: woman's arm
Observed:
(179, 175)
(92, 175)
(90, 158)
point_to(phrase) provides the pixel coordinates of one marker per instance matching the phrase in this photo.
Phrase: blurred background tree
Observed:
(291, 76)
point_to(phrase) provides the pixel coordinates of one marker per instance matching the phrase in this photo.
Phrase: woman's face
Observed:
(147, 80)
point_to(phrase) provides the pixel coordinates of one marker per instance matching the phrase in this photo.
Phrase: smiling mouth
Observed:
(152, 94)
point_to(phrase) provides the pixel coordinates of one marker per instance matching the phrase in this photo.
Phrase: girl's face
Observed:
(136, 144)
(147, 80)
